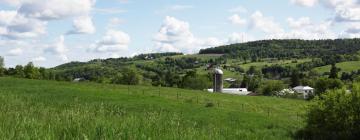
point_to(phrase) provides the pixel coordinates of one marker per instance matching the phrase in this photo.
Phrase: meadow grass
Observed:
(344, 66)
(34, 109)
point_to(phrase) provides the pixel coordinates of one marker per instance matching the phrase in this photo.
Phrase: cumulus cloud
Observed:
(39, 59)
(306, 3)
(6, 17)
(11, 2)
(58, 48)
(15, 52)
(299, 23)
(82, 25)
(265, 24)
(55, 9)
(23, 27)
(239, 38)
(237, 20)
(31, 17)
(175, 36)
(304, 28)
(113, 41)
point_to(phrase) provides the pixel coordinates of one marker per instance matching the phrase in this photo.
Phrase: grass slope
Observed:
(33, 109)
(344, 66)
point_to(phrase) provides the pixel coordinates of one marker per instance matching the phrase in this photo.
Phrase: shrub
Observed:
(209, 104)
(334, 115)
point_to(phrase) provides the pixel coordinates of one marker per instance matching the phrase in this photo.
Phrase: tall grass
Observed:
(32, 109)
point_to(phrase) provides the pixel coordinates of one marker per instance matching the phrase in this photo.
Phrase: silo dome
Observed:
(218, 71)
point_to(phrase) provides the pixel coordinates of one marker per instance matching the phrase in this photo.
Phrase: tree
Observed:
(271, 87)
(31, 72)
(2, 69)
(324, 84)
(130, 76)
(251, 82)
(199, 82)
(333, 71)
(19, 71)
(334, 115)
(295, 78)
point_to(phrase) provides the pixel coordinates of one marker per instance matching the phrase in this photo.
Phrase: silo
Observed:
(217, 81)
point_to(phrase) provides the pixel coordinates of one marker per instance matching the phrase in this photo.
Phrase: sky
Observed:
(53, 32)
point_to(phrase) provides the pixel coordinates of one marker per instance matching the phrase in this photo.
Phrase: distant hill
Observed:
(293, 48)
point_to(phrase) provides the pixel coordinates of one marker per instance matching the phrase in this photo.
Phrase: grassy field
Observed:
(344, 66)
(32, 109)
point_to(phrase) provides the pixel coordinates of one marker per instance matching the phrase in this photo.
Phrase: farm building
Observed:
(218, 85)
(235, 91)
(305, 90)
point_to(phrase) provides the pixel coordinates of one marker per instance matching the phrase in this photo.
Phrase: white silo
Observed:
(217, 80)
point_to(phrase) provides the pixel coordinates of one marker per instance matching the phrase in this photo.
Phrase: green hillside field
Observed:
(34, 109)
(344, 66)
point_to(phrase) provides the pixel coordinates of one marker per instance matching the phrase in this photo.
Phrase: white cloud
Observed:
(113, 41)
(237, 20)
(306, 3)
(39, 59)
(58, 48)
(304, 28)
(344, 10)
(175, 36)
(11, 2)
(6, 17)
(22, 27)
(56, 9)
(83, 25)
(239, 38)
(109, 10)
(30, 19)
(265, 24)
(15, 52)
(299, 23)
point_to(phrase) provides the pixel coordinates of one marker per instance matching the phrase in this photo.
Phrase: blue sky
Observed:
(53, 32)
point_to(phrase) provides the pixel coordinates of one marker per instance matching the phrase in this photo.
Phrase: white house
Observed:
(235, 91)
(305, 90)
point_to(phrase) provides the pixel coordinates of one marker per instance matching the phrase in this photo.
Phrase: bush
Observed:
(334, 115)
(323, 84)
(271, 87)
(209, 104)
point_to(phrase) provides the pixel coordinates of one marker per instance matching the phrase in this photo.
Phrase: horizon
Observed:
(31, 30)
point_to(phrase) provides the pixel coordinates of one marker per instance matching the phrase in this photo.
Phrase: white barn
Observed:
(305, 90)
(234, 91)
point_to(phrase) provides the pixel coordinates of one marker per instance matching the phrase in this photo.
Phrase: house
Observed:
(234, 91)
(305, 90)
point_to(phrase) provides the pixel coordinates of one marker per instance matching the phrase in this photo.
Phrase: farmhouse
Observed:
(305, 90)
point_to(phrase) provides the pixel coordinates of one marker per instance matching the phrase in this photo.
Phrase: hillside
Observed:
(344, 67)
(34, 109)
(293, 48)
